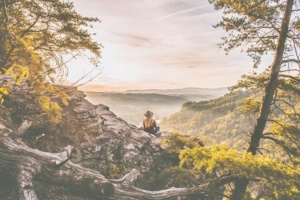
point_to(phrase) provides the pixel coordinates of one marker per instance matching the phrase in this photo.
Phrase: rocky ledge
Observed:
(101, 140)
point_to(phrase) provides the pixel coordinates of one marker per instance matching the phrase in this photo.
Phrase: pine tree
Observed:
(262, 28)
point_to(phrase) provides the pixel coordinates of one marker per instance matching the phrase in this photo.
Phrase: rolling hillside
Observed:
(222, 119)
(192, 94)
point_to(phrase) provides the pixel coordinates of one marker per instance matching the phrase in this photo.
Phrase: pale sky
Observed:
(159, 44)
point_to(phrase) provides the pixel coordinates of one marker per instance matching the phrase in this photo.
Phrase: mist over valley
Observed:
(131, 105)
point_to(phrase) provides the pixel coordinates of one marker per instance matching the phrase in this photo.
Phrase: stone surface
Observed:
(101, 140)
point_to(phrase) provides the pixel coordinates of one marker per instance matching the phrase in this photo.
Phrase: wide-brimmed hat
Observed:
(148, 114)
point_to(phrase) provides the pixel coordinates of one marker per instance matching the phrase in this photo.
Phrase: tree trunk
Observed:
(26, 164)
(240, 188)
(241, 185)
(273, 79)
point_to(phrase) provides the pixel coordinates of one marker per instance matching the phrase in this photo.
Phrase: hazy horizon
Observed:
(100, 89)
(131, 106)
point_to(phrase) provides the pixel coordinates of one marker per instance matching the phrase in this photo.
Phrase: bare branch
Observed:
(291, 106)
(24, 127)
(296, 52)
(14, 156)
(282, 144)
(128, 178)
(5, 12)
(297, 61)
(260, 148)
(42, 165)
(30, 27)
(89, 80)
(25, 185)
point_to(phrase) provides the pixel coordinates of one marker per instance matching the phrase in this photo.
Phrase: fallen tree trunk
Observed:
(26, 164)
(134, 193)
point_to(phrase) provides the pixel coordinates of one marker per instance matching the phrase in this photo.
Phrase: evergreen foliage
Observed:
(259, 28)
(281, 180)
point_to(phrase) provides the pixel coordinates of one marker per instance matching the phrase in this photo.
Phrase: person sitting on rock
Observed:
(149, 124)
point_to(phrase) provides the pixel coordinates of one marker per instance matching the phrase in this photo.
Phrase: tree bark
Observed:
(273, 79)
(26, 164)
(241, 185)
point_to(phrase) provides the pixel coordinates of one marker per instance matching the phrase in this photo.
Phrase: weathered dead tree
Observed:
(27, 164)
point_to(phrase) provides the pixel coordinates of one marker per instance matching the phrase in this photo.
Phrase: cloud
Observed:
(161, 43)
(174, 14)
(141, 41)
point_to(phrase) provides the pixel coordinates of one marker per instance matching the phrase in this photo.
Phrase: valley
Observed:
(131, 105)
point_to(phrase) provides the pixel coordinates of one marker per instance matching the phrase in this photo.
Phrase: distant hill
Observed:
(121, 98)
(192, 94)
(222, 119)
(131, 105)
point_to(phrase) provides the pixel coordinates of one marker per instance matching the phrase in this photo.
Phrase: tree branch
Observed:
(25, 185)
(290, 105)
(280, 143)
(291, 60)
(5, 12)
(128, 178)
(291, 77)
(23, 128)
(30, 27)
(42, 166)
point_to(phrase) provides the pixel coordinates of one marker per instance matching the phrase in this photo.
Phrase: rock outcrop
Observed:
(101, 141)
